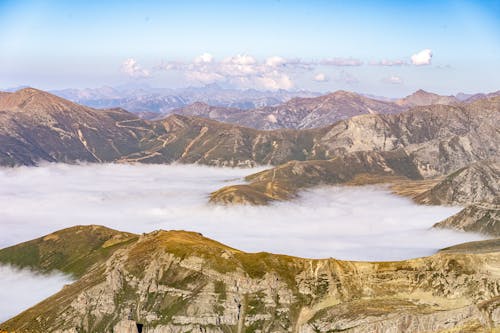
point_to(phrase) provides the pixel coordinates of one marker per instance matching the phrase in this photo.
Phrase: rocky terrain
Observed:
(422, 98)
(176, 281)
(37, 126)
(298, 113)
(284, 182)
(477, 183)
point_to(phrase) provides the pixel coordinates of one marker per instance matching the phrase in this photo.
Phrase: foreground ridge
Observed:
(177, 281)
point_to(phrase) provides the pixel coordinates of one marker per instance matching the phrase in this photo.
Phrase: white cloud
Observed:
(132, 69)
(205, 58)
(240, 59)
(341, 62)
(275, 81)
(22, 288)
(320, 77)
(393, 79)
(423, 57)
(275, 61)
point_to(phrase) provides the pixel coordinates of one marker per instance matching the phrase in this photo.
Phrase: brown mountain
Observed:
(37, 126)
(297, 113)
(477, 183)
(178, 281)
(422, 98)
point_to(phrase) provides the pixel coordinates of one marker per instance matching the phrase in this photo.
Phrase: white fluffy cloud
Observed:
(132, 69)
(320, 77)
(275, 81)
(275, 61)
(423, 57)
(205, 58)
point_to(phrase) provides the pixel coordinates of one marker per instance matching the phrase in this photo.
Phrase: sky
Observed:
(388, 48)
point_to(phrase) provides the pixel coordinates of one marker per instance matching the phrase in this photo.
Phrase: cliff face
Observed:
(180, 281)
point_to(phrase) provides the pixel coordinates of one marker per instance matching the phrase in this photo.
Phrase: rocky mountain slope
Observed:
(423, 98)
(477, 183)
(37, 126)
(283, 182)
(177, 281)
(298, 113)
(482, 218)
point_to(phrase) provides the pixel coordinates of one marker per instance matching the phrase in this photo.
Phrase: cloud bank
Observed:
(363, 223)
(272, 73)
(21, 289)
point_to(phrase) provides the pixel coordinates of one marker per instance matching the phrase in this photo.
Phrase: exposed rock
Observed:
(476, 183)
(482, 218)
(422, 98)
(37, 126)
(283, 182)
(179, 281)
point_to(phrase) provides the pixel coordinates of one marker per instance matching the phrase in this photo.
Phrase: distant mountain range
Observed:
(254, 108)
(156, 102)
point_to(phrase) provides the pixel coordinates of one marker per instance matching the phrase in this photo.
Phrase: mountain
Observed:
(474, 97)
(178, 281)
(477, 183)
(482, 218)
(37, 126)
(152, 103)
(476, 186)
(422, 98)
(297, 113)
(283, 182)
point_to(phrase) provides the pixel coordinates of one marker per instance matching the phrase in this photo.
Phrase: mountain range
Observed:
(177, 281)
(154, 102)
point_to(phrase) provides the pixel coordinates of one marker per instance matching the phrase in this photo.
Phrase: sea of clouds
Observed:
(355, 223)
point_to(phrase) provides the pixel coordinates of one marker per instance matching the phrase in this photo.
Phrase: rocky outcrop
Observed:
(476, 183)
(481, 218)
(179, 281)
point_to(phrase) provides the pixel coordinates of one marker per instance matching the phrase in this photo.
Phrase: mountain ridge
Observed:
(177, 281)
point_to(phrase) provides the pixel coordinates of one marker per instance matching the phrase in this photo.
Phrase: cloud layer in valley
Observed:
(359, 223)
(21, 289)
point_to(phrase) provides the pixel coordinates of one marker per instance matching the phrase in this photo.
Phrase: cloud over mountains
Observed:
(272, 73)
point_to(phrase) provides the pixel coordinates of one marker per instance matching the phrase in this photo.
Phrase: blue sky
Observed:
(363, 46)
